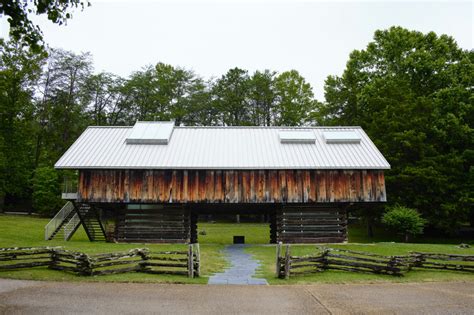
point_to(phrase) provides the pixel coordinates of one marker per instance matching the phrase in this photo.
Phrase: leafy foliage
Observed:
(412, 94)
(22, 28)
(20, 70)
(46, 191)
(405, 221)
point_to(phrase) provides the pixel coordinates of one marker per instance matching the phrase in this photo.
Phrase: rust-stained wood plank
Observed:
(209, 186)
(283, 186)
(219, 188)
(306, 185)
(231, 186)
(321, 192)
(246, 193)
(274, 186)
(313, 186)
(253, 186)
(185, 184)
(236, 187)
(299, 186)
(174, 191)
(193, 186)
(290, 183)
(201, 185)
(168, 185)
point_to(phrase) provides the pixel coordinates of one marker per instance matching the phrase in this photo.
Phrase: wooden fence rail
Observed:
(356, 261)
(442, 261)
(24, 257)
(136, 260)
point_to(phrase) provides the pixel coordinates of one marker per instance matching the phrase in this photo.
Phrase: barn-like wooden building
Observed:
(154, 179)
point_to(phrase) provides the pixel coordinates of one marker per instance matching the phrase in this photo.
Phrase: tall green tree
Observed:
(295, 99)
(104, 95)
(263, 97)
(231, 97)
(163, 92)
(412, 93)
(59, 106)
(20, 69)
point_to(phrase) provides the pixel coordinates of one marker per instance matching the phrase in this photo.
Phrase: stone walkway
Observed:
(242, 269)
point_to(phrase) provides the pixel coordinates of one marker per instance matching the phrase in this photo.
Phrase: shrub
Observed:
(46, 191)
(404, 221)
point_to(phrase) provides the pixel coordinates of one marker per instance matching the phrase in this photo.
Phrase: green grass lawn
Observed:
(267, 256)
(28, 231)
(222, 233)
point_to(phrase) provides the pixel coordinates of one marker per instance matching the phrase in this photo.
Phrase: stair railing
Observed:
(56, 221)
(71, 227)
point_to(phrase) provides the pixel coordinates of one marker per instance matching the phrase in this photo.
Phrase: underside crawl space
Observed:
(156, 178)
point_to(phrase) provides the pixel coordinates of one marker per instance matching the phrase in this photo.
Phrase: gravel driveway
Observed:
(41, 297)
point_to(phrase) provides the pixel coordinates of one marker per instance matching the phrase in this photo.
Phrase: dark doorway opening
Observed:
(221, 222)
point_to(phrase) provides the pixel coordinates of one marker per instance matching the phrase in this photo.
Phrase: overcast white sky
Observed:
(210, 37)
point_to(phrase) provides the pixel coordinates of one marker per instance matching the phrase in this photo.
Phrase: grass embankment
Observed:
(28, 231)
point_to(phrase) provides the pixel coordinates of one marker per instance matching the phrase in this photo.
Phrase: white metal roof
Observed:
(220, 148)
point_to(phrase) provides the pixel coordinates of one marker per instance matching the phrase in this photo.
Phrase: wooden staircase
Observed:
(91, 222)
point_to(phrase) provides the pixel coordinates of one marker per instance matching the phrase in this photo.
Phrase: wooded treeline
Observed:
(411, 92)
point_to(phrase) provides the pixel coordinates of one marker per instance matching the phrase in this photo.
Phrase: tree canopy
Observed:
(23, 30)
(412, 94)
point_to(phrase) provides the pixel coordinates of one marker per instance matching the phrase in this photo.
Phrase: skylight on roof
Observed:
(297, 136)
(341, 137)
(151, 132)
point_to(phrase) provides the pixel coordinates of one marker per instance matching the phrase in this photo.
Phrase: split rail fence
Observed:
(186, 262)
(25, 257)
(442, 261)
(365, 262)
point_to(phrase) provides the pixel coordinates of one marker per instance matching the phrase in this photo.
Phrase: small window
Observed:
(297, 136)
(151, 132)
(341, 137)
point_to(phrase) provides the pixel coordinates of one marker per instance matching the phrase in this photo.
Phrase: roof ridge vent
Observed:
(297, 136)
(341, 136)
(150, 132)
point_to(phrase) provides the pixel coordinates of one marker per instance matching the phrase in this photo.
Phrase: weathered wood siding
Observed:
(242, 186)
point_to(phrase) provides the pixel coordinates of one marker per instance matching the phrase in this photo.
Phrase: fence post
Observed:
(190, 261)
(325, 259)
(54, 259)
(144, 255)
(84, 265)
(278, 265)
(287, 262)
(198, 261)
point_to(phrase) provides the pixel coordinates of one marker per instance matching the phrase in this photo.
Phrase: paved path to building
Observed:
(43, 297)
(242, 270)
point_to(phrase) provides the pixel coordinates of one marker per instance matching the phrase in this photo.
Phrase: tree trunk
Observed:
(237, 218)
(406, 237)
(370, 230)
(2, 202)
